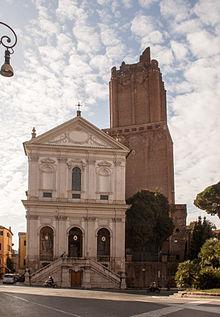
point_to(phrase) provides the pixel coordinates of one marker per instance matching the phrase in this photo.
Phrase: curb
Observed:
(196, 294)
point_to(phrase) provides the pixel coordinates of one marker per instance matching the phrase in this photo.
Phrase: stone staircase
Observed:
(39, 277)
(106, 273)
(94, 274)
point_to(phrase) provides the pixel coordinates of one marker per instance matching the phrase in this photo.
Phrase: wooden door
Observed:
(76, 278)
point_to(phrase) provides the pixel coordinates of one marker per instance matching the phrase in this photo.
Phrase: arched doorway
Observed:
(46, 244)
(75, 243)
(103, 245)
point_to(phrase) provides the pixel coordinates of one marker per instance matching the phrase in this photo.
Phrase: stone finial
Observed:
(33, 134)
(78, 113)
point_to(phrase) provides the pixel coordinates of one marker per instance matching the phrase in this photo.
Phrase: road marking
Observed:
(194, 305)
(42, 305)
(214, 310)
(159, 312)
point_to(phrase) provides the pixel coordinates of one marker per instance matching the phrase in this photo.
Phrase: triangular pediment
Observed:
(77, 132)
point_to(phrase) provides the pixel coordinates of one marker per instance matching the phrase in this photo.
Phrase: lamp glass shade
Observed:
(6, 70)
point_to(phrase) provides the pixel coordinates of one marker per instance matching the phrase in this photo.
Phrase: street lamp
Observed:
(8, 43)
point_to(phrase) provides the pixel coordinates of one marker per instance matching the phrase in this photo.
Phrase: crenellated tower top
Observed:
(137, 94)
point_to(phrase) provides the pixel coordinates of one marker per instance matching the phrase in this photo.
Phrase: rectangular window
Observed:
(0, 246)
(24, 242)
(104, 197)
(76, 196)
(9, 248)
(47, 194)
(76, 179)
(8, 235)
(1, 233)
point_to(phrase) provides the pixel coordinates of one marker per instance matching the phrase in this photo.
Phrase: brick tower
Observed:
(138, 119)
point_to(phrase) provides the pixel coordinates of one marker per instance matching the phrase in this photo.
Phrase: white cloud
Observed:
(208, 11)
(70, 10)
(115, 52)
(103, 2)
(87, 37)
(204, 44)
(204, 74)
(186, 27)
(179, 50)
(163, 54)
(108, 35)
(142, 25)
(175, 9)
(155, 37)
(128, 3)
(146, 3)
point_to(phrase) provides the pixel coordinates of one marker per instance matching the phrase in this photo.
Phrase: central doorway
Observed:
(75, 243)
(76, 278)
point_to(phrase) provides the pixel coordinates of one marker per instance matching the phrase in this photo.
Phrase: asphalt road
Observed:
(23, 301)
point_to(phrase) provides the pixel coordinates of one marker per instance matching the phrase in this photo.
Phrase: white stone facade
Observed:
(76, 187)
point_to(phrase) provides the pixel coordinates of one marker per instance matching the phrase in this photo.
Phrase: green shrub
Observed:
(187, 273)
(207, 278)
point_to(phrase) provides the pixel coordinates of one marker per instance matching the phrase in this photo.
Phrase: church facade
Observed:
(75, 206)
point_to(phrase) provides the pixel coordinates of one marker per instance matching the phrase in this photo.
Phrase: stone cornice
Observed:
(72, 205)
(69, 149)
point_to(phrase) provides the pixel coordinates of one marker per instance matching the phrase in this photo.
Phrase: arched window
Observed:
(76, 179)
(75, 243)
(46, 244)
(103, 245)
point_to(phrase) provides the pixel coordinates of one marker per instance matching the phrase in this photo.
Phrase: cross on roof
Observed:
(78, 110)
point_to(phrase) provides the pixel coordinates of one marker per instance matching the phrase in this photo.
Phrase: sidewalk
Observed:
(196, 294)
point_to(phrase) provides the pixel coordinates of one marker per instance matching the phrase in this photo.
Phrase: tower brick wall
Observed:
(138, 119)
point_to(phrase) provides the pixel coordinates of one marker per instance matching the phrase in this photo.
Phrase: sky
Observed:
(64, 55)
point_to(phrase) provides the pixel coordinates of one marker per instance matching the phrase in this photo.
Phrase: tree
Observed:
(210, 253)
(200, 232)
(148, 223)
(209, 199)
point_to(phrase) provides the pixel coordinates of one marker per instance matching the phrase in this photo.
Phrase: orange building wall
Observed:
(22, 251)
(5, 247)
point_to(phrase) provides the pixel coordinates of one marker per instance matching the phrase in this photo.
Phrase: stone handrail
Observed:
(105, 271)
(44, 269)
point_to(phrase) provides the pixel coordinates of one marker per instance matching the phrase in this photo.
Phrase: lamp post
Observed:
(8, 43)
